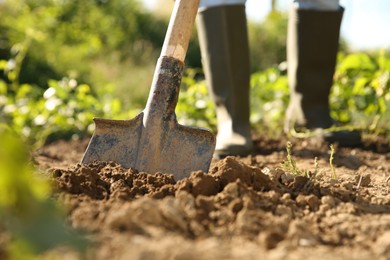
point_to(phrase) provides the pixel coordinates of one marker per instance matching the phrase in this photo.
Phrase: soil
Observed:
(243, 208)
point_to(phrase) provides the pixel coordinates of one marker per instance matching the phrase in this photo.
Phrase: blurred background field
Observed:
(64, 62)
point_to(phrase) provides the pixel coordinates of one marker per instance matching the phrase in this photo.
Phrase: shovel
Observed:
(153, 141)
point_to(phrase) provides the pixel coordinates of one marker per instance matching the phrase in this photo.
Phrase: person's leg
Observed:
(222, 32)
(312, 45)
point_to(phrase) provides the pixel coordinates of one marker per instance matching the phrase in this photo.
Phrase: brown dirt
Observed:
(244, 208)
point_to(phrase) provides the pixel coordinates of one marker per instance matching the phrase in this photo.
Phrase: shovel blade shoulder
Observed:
(115, 140)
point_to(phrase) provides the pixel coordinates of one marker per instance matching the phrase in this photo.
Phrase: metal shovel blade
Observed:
(154, 141)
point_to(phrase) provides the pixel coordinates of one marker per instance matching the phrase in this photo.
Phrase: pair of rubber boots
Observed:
(312, 45)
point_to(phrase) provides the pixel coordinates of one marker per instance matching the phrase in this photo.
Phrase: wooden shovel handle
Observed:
(180, 28)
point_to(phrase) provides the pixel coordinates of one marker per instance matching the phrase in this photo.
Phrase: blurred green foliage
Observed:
(267, 41)
(93, 41)
(34, 221)
(50, 57)
(360, 96)
(195, 108)
(361, 91)
(269, 98)
(72, 32)
(65, 62)
(64, 110)
(105, 42)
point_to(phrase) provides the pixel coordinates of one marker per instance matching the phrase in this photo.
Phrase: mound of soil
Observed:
(243, 208)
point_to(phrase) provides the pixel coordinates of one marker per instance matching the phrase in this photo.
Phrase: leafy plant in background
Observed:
(195, 107)
(34, 221)
(267, 41)
(95, 42)
(99, 42)
(269, 98)
(361, 91)
(64, 110)
(360, 96)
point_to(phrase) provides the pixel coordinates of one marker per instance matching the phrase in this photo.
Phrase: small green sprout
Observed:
(290, 165)
(334, 176)
(315, 166)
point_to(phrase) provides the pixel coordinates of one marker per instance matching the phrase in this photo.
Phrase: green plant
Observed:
(34, 220)
(331, 157)
(95, 42)
(359, 97)
(195, 107)
(268, 99)
(361, 91)
(290, 165)
(64, 110)
(267, 41)
(316, 170)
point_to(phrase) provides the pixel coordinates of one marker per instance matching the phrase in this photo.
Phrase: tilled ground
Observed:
(244, 208)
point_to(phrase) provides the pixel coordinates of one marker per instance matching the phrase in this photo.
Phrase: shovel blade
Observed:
(179, 150)
(115, 140)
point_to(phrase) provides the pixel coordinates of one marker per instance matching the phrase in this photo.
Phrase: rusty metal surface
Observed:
(154, 141)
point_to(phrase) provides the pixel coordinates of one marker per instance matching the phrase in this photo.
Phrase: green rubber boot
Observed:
(312, 45)
(223, 39)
